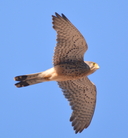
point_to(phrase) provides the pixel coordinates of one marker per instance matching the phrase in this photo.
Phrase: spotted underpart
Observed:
(73, 70)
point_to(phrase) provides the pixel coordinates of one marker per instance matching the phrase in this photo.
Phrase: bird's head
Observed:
(93, 66)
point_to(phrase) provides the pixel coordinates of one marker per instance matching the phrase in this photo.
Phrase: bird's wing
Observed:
(71, 45)
(81, 94)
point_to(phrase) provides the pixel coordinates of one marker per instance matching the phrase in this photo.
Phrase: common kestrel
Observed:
(70, 71)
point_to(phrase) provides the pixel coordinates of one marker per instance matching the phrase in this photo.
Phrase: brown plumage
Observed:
(70, 71)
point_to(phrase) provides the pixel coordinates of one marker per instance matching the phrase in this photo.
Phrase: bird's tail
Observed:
(30, 79)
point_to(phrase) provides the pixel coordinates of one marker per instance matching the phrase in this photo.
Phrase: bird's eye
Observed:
(94, 64)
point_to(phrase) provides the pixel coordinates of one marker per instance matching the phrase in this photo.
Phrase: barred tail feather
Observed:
(30, 79)
(26, 80)
(26, 77)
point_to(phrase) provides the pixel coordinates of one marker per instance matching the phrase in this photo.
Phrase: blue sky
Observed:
(27, 41)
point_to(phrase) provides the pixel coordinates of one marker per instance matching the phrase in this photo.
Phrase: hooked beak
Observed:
(97, 66)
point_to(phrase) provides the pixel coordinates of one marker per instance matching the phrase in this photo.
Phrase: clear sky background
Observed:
(27, 41)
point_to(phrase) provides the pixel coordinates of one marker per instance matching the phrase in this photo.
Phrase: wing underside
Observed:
(71, 45)
(81, 94)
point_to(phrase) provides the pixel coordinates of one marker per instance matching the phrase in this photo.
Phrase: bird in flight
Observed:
(70, 71)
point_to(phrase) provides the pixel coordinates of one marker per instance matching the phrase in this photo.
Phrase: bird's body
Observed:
(70, 71)
(62, 72)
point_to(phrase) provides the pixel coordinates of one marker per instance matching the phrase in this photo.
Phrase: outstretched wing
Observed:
(81, 94)
(71, 45)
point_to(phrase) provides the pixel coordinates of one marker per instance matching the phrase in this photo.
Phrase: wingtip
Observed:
(57, 15)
